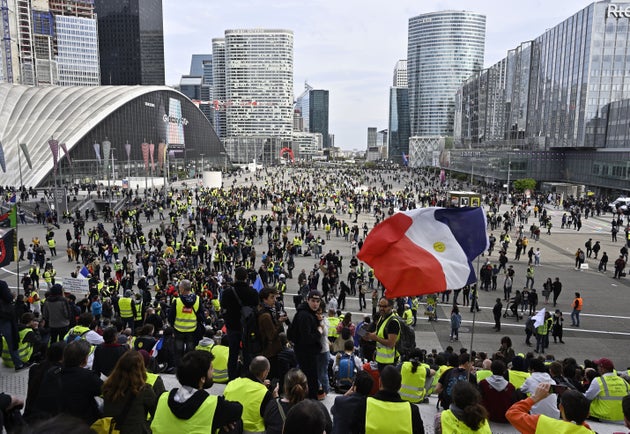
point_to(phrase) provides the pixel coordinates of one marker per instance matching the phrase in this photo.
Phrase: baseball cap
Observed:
(604, 363)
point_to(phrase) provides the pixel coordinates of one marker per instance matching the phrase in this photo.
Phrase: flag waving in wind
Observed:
(427, 250)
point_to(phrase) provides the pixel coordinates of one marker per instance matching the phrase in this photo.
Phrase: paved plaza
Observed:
(605, 321)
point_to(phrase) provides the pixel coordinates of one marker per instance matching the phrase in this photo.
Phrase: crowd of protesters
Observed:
(173, 276)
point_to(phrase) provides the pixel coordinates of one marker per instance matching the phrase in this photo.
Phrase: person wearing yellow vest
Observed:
(606, 392)
(333, 322)
(190, 409)
(467, 415)
(52, 246)
(416, 375)
(386, 335)
(252, 392)
(220, 352)
(84, 331)
(127, 310)
(185, 313)
(386, 406)
(29, 342)
(574, 409)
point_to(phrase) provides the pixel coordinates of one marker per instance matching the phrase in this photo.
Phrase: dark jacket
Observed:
(135, 421)
(57, 311)
(270, 329)
(70, 391)
(307, 337)
(106, 356)
(274, 421)
(231, 307)
(358, 423)
(343, 409)
(225, 413)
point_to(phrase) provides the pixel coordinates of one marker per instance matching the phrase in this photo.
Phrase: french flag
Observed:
(426, 250)
(258, 284)
(84, 272)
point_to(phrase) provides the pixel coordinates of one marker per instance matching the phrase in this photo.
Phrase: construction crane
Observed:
(6, 40)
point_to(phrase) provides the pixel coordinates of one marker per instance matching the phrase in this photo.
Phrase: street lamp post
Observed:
(201, 171)
(507, 186)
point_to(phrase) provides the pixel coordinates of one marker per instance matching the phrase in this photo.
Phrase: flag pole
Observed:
(472, 330)
(17, 237)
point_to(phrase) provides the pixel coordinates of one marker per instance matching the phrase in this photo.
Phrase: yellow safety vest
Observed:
(385, 355)
(333, 321)
(165, 422)
(548, 424)
(482, 374)
(51, 243)
(185, 317)
(412, 388)
(124, 305)
(450, 424)
(408, 316)
(25, 350)
(138, 312)
(151, 378)
(379, 416)
(220, 362)
(607, 405)
(517, 378)
(250, 394)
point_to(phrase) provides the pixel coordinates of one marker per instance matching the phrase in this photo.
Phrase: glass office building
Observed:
(398, 136)
(562, 95)
(444, 49)
(77, 51)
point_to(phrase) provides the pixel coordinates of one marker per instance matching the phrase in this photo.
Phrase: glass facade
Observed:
(564, 93)
(77, 51)
(318, 114)
(398, 137)
(444, 49)
(131, 41)
(218, 85)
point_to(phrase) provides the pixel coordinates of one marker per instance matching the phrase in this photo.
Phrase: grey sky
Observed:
(349, 47)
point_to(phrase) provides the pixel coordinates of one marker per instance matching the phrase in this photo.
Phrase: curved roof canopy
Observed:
(34, 115)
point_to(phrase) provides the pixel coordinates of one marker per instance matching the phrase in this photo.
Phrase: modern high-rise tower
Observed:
(131, 41)
(313, 106)
(444, 49)
(48, 42)
(256, 94)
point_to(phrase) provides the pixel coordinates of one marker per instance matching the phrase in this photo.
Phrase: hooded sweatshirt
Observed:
(189, 301)
(497, 396)
(185, 401)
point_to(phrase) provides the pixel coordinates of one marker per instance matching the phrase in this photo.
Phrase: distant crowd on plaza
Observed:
(203, 294)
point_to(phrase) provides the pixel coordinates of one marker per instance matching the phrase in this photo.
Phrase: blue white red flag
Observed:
(84, 271)
(258, 284)
(427, 250)
(13, 198)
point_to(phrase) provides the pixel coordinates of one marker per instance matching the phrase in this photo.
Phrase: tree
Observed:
(521, 185)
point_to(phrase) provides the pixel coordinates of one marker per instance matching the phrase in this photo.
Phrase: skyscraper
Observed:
(400, 74)
(218, 85)
(398, 136)
(313, 106)
(131, 41)
(444, 49)
(49, 42)
(257, 93)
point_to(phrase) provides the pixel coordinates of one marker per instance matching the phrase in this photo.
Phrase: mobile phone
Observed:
(273, 384)
(556, 388)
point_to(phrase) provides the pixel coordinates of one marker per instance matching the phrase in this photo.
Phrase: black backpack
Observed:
(407, 341)
(252, 340)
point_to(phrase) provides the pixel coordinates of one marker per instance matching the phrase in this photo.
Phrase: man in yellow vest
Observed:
(185, 313)
(252, 392)
(52, 245)
(574, 408)
(190, 408)
(220, 352)
(606, 392)
(387, 406)
(127, 310)
(386, 335)
(333, 322)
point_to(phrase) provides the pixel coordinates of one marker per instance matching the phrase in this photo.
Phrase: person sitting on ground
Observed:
(347, 404)
(295, 391)
(605, 392)
(305, 417)
(547, 406)
(36, 374)
(574, 408)
(497, 393)
(465, 414)
(106, 355)
(345, 372)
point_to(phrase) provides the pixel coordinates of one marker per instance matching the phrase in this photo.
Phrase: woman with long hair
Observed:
(416, 376)
(465, 414)
(127, 396)
(295, 390)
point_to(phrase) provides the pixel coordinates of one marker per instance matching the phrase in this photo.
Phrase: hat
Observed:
(56, 289)
(128, 293)
(605, 363)
(314, 293)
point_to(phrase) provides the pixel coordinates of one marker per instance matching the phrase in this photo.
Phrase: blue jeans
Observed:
(6, 329)
(322, 370)
(575, 318)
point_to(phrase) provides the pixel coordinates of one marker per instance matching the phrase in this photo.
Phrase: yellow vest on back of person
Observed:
(450, 424)
(185, 317)
(517, 378)
(607, 405)
(25, 350)
(250, 394)
(387, 417)
(333, 321)
(412, 388)
(124, 305)
(548, 424)
(165, 422)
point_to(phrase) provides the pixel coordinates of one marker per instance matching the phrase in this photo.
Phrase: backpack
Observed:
(407, 341)
(252, 340)
(346, 372)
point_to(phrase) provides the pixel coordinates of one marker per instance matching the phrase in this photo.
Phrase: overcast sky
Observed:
(349, 47)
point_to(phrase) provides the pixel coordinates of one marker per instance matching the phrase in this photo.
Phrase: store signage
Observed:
(175, 120)
(618, 11)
